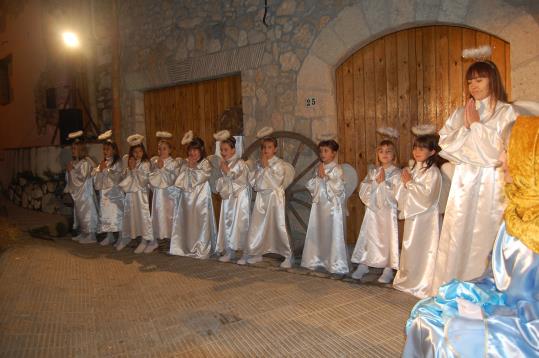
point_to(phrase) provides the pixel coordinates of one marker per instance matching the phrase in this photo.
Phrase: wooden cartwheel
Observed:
(302, 153)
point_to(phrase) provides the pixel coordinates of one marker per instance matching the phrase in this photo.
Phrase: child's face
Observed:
(164, 150)
(268, 149)
(422, 154)
(138, 153)
(75, 150)
(194, 154)
(108, 152)
(327, 155)
(479, 88)
(386, 154)
(227, 151)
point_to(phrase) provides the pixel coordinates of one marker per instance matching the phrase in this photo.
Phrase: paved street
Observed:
(59, 298)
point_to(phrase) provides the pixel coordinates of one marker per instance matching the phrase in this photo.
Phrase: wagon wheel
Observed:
(302, 153)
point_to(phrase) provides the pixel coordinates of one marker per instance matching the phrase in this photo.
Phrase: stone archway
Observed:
(357, 25)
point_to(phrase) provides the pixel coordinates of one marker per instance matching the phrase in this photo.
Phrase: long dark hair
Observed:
(430, 142)
(144, 153)
(197, 143)
(115, 151)
(488, 70)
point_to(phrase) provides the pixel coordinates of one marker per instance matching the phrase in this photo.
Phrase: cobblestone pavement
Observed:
(59, 298)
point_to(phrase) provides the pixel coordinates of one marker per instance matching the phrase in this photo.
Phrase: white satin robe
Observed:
(235, 191)
(165, 196)
(267, 233)
(476, 201)
(193, 229)
(418, 204)
(325, 242)
(111, 196)
(79, 184)
(378, 241)
(136, 219)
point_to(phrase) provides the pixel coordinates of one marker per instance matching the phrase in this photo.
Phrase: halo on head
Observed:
(135, 139)
(325, 136)
(480, 53)
(105, 136)
(389, 132)
(221, 135)
(264, 132)
(187, 137)
(423, 129)
(74, 135)
(163, 135)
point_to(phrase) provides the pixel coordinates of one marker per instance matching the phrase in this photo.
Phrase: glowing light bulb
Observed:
(70, 39)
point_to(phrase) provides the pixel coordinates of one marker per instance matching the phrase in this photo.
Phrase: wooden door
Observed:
(194, 106)
(402, 79)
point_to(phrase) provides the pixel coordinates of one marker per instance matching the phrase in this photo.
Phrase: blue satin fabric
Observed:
(509, 300)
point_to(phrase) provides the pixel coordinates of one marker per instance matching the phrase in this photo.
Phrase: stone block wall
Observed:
(164, 43)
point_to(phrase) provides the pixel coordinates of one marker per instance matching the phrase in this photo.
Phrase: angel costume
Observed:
(235, 191)
(136, 219)
(418, 204)
(497, 316)
(325, 243)
(165, 196)
(80, 186)
(193, 230)
(378, 241)
(111, 196)
(476, 202)
(268, 233)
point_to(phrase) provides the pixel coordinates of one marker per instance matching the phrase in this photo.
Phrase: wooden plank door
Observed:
(193, 106)
(402, 79)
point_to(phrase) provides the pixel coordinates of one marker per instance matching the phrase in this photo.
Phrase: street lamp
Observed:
(71, 39)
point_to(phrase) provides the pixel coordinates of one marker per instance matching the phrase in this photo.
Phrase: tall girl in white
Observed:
(471, 139)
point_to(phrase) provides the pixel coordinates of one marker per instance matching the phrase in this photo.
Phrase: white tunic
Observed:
(79, 185)
(325, 243)
(378, 241)
(235, 191)
(111, 196)
(418, 203)
(193, 229)
(268, 233)
(476, 201)
(136, 219)
(165, 196)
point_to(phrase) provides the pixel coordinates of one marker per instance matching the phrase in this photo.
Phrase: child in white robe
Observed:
(471, 139)
(136, 219)
(325, 243)
(235, 191)
(164, 170)
(268, 233)
(378, 241)
(107, 176)
(193, 229)
(418, 195)
(79, 184)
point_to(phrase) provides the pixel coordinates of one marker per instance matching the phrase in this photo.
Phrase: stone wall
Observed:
(164, 43)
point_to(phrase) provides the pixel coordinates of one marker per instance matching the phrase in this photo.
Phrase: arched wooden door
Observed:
(402, 79)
